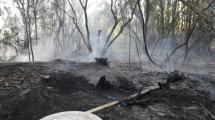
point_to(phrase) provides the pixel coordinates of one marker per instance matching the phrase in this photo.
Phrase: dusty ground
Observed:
(31, 91)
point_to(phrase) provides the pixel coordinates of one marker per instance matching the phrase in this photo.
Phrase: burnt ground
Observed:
(30, 91)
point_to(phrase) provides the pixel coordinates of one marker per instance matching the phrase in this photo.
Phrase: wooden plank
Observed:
(103, 106)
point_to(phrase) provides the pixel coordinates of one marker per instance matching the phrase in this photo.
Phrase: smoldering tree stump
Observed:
(102, 61)
(175, 76)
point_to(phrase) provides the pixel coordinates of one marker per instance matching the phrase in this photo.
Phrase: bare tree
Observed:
(170, 27)
(191, 27)
(24, 8)
(119, 17)
(187, 39)
(85, 39)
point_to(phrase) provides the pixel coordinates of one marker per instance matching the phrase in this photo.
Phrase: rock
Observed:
(17, 82)
(46, 77)
(161, 113)
(25, 91)
(50, 88)
(6, 84)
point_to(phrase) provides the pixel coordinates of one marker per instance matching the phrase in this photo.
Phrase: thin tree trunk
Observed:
(173, 17)
(162, 17)
(137, 48)
(143, 33)
(148, 9)
(29, 31)
(35, 20)
(129, 53)
(84, 7)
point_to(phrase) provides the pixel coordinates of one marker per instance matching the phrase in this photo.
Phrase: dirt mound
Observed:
(66, 83)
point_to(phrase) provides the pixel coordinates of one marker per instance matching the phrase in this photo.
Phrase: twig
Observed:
(205, 110)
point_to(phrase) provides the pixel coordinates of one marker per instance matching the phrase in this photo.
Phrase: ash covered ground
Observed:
(30, 91)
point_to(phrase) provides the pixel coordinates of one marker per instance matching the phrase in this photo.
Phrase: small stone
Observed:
(17, 86)
(35, 80)
(46, 77)
(50, 88)
(6, 84)
(25, 91)
(161, 114)
(17, 82)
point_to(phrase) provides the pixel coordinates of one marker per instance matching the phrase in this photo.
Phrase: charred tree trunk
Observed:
(161, 4)
(174, 15)
(35, 20)
(75, 22)
(143, 33)
(31, 52)
(138, 54)
(129, 52)
(84, 7)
